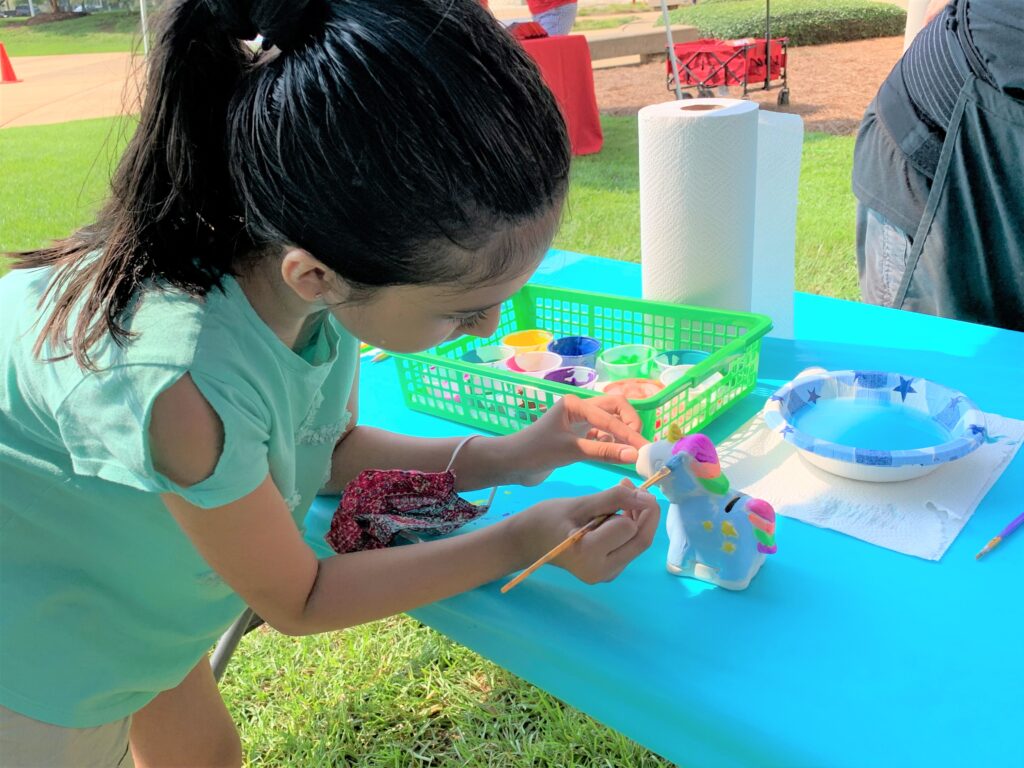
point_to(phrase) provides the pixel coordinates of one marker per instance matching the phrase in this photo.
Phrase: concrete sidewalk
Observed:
(55, 89)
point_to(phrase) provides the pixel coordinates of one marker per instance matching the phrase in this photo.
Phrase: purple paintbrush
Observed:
(1013, 526)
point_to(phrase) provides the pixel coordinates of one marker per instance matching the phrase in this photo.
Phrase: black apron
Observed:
(967, 258)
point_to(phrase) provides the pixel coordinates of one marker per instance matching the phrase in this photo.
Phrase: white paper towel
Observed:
(780, 139)
(919, 517)
(698, 162)
(718, 194)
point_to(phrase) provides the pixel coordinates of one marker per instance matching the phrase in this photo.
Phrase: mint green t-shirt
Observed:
(104, 602)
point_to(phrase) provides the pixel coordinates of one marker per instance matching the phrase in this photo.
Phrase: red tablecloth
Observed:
(564, 61)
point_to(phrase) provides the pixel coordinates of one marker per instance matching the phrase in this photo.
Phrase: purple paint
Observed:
(698, 446)
(573, 375)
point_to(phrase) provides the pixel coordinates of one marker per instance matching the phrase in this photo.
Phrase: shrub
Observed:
(804, 22)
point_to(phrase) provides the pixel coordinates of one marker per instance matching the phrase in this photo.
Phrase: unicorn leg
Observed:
(680, 558)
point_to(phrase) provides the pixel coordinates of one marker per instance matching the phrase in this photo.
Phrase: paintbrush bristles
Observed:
(658, 476)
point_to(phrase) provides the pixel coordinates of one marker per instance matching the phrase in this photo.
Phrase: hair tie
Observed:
(281, 24)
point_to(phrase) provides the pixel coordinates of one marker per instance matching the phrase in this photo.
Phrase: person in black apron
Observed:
(939, 171)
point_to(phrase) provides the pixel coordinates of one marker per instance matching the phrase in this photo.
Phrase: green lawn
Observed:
(610, 8)
(610, 22)
(106, 32)
(59, 173)
(603, 210)
(394, 693)
(804, 22)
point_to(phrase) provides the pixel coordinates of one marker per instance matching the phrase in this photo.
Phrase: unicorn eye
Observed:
(732, 503)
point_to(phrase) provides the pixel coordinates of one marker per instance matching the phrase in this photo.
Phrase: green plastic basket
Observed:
(440, 383)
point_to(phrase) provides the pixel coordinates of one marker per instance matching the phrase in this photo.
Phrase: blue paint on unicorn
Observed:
(715, 534)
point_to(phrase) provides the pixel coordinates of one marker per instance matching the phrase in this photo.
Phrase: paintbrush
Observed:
(1013, 526)
(657, 477)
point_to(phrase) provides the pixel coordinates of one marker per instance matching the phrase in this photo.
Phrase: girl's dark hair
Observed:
(373, 129)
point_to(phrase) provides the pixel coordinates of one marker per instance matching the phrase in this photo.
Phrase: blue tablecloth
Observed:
(840, 653)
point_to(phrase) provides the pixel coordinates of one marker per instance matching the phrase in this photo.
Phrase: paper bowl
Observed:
(875, 426)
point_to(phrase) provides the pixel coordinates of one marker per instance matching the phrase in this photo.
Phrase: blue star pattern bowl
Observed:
(873, 425)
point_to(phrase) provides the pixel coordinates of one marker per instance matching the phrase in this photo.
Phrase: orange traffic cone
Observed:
(6, 70)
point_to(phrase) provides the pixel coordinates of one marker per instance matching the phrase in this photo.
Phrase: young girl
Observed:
(179, 377)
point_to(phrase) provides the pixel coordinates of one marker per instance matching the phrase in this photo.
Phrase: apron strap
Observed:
(934, 197)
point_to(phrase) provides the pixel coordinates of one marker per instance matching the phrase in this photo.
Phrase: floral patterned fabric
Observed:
(379, 504)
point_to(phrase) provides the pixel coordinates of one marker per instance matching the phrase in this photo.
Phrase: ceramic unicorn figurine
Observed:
(715, 535)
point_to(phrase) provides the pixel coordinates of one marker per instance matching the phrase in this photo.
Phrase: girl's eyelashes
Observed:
(471, 320)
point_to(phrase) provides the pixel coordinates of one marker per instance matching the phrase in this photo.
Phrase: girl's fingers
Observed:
(639, 519)
(611, 536)
(608, 502)
(620, 407)
(645, 526)
(612, 415)
(615, 453)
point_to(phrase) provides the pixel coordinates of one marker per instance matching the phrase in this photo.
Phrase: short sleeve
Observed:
(104, 423)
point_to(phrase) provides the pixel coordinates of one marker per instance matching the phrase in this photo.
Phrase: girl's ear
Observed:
(306, 275)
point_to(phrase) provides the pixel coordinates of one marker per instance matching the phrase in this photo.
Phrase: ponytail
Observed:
(374, 130)
(170, 213)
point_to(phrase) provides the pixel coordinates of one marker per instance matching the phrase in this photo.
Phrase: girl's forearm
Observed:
(383, 582)
(482, 463)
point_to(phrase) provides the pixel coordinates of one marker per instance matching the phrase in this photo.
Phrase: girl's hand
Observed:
(602, 553)
(576, 429)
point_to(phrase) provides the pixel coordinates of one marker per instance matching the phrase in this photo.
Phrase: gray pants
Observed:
(558, 21)
(882, 253)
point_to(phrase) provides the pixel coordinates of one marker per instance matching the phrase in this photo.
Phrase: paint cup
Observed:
(528, 341)
(573, 375)
(628, 361)
(634, 389)
(576, 350)
(492, 356)
(673, 373)
(679, 357)
(534, 363)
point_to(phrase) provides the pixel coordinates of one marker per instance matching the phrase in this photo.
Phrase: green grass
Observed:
(804, 22)
(395, 693)
(55, 177)
(108, 32)
(584, 25)
(610, 8)
(603, 216)
(59, 173)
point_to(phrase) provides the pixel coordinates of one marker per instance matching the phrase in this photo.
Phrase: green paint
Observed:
(718, 485)
(765, 538)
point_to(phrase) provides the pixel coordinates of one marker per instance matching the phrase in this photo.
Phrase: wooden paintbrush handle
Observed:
(658, 476)
(551, 555)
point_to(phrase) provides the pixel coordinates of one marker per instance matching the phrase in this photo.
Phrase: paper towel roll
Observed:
(718, 195)
(780, 139)
(698, 162)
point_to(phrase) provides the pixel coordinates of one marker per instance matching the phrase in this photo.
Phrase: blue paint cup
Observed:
(677, 357)
(576, 350)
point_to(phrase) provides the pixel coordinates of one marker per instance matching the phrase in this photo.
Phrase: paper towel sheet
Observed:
(780, 139)
(718, 196)
(698, 163)
(918, 517)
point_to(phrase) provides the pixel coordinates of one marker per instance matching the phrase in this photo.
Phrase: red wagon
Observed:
(756, 64)
(750, 63)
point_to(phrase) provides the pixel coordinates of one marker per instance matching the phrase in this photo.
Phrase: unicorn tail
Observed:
(762, 518)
